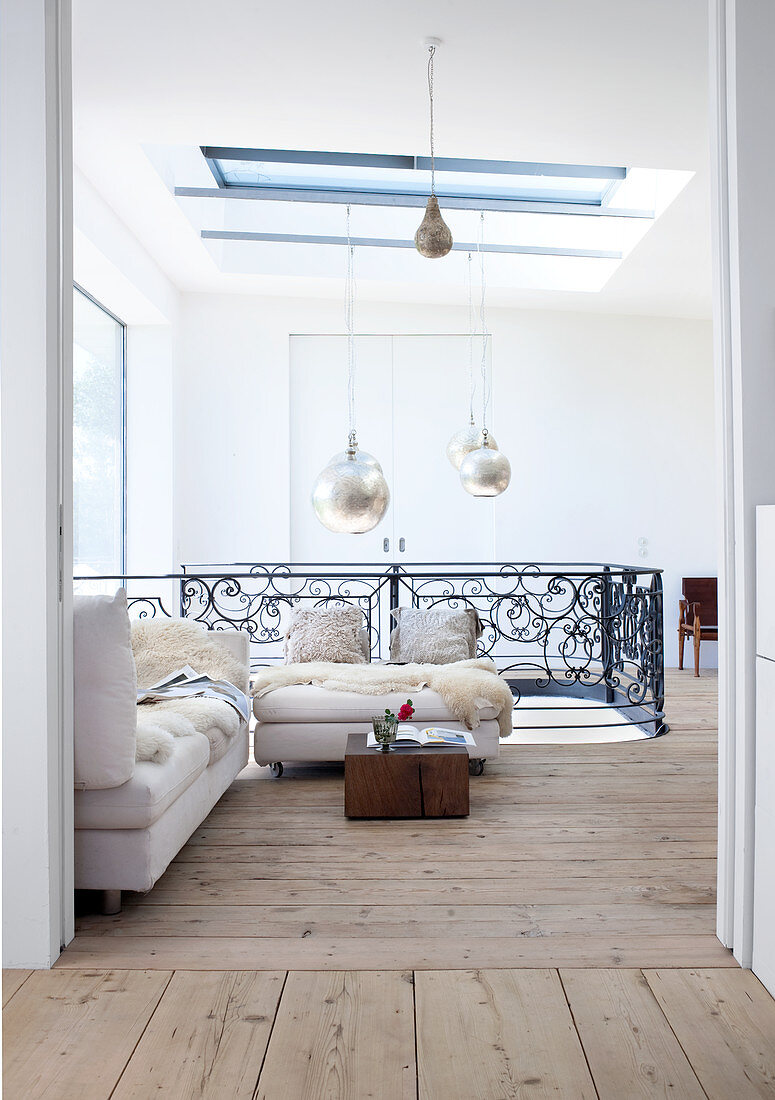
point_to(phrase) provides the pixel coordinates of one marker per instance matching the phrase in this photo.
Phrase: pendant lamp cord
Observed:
(471, 326)
(431, 52)
(483, 327)
(349, 317)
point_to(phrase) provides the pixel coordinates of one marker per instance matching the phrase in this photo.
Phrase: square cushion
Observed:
(151, 790)
(325, 634)
(105, 692)
(434, 635)
(307, 703)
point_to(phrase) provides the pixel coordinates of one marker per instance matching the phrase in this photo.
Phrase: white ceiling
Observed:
(599, 82)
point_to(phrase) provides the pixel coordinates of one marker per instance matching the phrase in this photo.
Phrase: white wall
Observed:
(607, 421)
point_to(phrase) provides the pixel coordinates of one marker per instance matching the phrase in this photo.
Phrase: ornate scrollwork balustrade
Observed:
(589, 630)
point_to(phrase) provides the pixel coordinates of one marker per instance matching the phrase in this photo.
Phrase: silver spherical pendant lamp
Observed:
(463, 442)
(485, 472)
(350, 496)
(433, 238)
(363, 457)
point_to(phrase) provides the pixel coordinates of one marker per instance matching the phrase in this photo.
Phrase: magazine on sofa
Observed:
(431, 735)
(187, 683)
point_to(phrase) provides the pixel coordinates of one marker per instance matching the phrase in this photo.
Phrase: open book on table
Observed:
(431, 735)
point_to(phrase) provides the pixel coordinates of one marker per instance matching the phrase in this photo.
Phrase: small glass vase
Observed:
(385, 731)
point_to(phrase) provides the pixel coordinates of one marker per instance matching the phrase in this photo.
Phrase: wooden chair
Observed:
(697, 615)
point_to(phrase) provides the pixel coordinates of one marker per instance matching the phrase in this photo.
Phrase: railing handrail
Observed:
(280, 569)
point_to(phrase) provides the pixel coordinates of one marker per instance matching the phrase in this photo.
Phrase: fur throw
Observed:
(161, 647)
(461, 685)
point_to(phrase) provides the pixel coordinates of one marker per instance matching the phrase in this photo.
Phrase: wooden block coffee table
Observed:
(408, 781)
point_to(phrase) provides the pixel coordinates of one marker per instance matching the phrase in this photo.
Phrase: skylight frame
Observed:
(374, 193)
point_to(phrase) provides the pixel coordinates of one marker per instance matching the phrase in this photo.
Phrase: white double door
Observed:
(411, 395)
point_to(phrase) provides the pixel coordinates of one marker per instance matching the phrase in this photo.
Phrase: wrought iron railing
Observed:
(594, 631)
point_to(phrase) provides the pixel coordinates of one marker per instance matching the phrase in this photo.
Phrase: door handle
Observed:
(386, 545)
(402, 545)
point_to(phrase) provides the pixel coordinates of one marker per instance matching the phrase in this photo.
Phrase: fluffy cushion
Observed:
(162, 646)
(105, 688)
(325, 634)
(434, 635)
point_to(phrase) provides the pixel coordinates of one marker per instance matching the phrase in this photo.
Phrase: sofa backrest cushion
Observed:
(105, 692)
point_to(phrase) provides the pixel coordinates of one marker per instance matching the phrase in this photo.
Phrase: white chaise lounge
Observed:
(305, 723)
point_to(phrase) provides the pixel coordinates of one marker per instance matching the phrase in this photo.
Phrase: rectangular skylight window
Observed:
(403, 180)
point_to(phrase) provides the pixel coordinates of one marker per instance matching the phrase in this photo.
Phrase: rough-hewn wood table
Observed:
(408, 781)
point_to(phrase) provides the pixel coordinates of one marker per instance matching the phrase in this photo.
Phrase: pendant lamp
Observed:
(433, 239)
(470, 437)
(484, 472)
(350, 496)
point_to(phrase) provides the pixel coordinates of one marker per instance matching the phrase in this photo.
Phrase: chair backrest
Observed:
(704, 591)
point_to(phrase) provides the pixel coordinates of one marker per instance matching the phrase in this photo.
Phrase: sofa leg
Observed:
(111, 902)
(277, 768)
(476, 765)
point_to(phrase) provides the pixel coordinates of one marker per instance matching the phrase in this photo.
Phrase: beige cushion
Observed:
(434, 635)
(325, 634)
(307, 703)
(151, 790)
(105, 691)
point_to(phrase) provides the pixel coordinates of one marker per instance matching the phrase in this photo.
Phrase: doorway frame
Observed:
(736, 675)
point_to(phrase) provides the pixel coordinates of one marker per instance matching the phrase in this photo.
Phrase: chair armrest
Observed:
(694, 611)
(683, 607)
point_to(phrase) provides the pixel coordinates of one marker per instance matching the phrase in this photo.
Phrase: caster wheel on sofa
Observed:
(277, 768)
(475, 766)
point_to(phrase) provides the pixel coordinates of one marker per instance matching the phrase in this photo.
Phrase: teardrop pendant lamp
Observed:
(351, 496)
(433, 239)
(484, 472)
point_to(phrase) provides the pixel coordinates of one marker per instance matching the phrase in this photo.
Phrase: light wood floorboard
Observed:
(208, 1037)
(68, 1034)
(468, 1034)
(13, 980)
(344, 1035)
(573, 855)
(631, 1048)
(500, 1033)
(726, 1026)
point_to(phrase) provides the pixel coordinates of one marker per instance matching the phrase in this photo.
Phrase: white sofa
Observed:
(305, 723)
(131, 818)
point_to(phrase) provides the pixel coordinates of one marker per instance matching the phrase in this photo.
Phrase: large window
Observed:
(99, 438)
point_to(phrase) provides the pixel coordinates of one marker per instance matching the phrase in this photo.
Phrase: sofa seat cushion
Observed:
(151, 790)
(307, 703)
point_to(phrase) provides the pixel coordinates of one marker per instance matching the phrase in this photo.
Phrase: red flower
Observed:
(406, 711)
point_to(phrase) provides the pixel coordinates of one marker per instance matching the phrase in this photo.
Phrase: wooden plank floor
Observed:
(583, 855)
(558, 943)
(483, 1034)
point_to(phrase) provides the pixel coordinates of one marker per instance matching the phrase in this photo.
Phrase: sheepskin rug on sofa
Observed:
(461, 685)
(160, 647)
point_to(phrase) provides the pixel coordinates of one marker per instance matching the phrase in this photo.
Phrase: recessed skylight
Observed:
(280, 214)
(396, 180)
